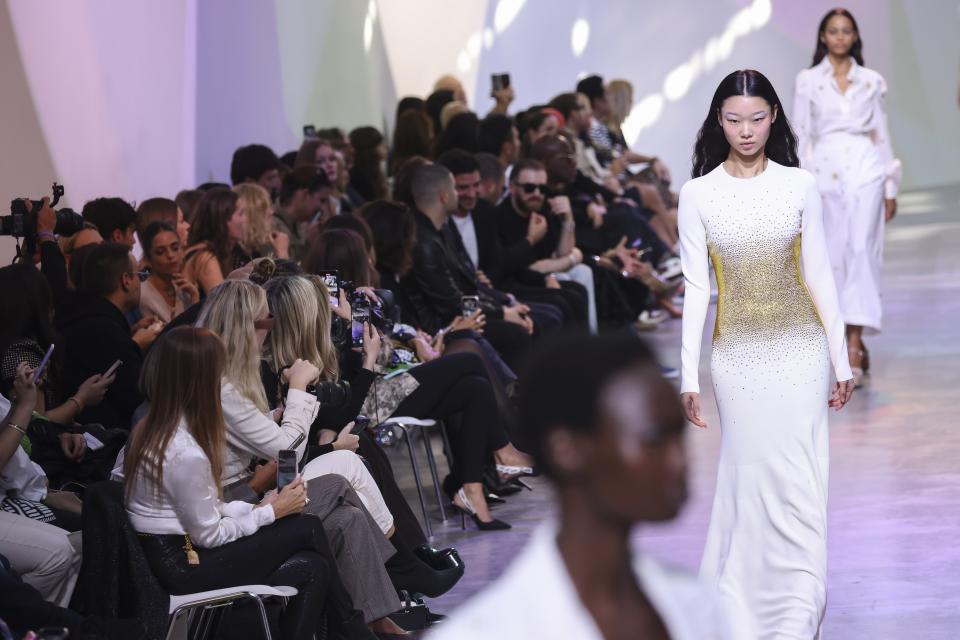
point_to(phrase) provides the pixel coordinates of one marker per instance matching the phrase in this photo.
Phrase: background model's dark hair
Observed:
(554, 395)
(856, 51)
(712, 147)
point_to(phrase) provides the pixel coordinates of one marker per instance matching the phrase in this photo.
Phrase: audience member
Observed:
(452, 84)
(114, 217)
(412, 136)
(194, 541)
(256, 163)
(162, 210)
(434, 105)
(491, 177)
(403, 180)
(166, 293)
(304, 196)
(462, 132)
(498, 136)
(450, 110)
(410, 103)
(97, 335)
(187, 202)
(218, 227)
(345, 251)
(260, 239)
(366, 174)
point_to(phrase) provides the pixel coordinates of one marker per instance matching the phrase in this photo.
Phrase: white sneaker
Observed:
(655, 316)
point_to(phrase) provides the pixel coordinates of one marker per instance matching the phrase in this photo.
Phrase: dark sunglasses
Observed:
(264, 325)
(530, 187)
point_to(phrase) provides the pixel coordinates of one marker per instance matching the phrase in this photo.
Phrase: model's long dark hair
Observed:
(712, 147)
(856, 51)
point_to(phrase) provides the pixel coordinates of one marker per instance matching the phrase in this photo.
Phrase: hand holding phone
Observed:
(43, 364)
(116, 365)
(286, 467)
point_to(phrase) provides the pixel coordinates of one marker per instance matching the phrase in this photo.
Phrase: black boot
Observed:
(409, 573)
(439, 559)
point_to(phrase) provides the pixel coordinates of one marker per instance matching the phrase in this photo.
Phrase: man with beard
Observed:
(472, 231)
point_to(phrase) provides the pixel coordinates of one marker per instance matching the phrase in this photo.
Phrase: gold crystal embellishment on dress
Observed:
(761, 293)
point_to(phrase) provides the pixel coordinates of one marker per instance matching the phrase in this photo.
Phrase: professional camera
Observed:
(331, 394)
(22, 222)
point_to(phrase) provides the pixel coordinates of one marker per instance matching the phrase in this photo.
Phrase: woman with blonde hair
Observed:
(237, 311)
(193, 540)
(302, 318)
(259, 238)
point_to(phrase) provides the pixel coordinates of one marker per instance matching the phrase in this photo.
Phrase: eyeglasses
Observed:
(265, 324)
(141, 275)
(529, 187)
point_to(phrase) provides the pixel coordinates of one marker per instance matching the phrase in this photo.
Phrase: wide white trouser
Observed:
(851, 185)
(350, 466)
(43, 555)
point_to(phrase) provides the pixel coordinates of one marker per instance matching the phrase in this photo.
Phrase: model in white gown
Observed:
(843, 139)
(779, 336)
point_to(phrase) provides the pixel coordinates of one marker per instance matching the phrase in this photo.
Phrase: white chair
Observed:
(406, 425)
(187, 606)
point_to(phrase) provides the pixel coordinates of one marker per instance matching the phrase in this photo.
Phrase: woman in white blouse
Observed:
(192, 539)
(841, 124)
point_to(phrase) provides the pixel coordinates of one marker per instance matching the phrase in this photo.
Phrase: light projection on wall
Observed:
(579, 37)
(678, 82)
(368, 23)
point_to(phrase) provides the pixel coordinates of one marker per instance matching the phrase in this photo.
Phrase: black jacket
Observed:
(95, 335)
(439, 278)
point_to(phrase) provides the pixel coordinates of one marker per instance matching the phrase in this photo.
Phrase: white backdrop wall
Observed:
(138, 98)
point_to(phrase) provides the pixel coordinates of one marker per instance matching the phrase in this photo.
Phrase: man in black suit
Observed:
(473, 226)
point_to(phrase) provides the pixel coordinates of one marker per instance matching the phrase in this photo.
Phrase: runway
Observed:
(894, 507)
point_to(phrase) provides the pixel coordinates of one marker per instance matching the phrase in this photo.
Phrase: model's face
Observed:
(634, 466)
(839, 36)
(529, 191)
(746, 122)
(165, 254)
(237, 224)
(326, 160)
(183, 227)
(468, 189)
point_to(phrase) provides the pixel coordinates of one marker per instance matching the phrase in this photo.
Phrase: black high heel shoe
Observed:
(469, 510)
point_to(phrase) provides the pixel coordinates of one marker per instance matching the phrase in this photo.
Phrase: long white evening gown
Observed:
(844, 140)
(778, 335)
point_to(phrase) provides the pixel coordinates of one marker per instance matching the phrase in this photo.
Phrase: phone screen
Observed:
(360, 315)
(309, 131)
(359, 424)
(286, 467)
(43, 364)
(332, 281)
(469, 305)
(500, 81)
(113, 367)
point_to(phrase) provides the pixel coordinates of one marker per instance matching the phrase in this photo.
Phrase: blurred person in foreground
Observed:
(608, 434)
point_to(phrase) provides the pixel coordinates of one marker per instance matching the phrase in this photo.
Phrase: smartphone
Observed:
(500, 81)
(332, 281)
(286, 467)
(43, 364)
(469, 305)
(359, 424)
(360, 315)
(113, 367)
(309, 131)
(53, 633)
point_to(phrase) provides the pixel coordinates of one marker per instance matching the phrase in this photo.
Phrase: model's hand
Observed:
(889, 209)
(841, 394)
(691, 408)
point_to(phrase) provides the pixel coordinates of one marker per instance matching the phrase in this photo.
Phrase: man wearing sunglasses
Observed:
(96, 333)
(540, 223)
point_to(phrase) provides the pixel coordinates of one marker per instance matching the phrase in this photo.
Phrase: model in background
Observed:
(841, 124)
(778, 337)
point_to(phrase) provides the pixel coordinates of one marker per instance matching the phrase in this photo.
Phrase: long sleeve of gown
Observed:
(696, 274)
(892, 170)
(818, 276)
(800, 119)
(193, 494)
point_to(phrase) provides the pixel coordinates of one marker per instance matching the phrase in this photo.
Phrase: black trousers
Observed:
(510, 340)
(458, 384)
(570, 299)
(291, 552)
